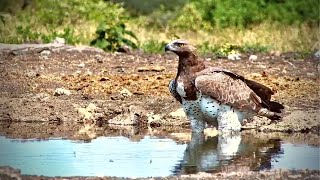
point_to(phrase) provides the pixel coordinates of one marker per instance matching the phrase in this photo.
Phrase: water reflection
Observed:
(245, 152)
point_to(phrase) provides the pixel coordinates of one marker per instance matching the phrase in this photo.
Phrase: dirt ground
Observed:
(8, 173)
(65, 84)
(81, 92)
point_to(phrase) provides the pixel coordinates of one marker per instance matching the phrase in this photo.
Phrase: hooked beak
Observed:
(168, 48)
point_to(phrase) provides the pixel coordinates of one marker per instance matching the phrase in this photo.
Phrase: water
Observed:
(151, 156)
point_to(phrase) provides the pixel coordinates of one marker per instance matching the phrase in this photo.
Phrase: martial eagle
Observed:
(217, 96)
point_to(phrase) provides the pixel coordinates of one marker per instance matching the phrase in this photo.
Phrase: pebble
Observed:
(234, 56)
(276, 53)
(61, 91)
(99, 58)
(42, 96)
(125, 92)
(59, 40)
(179, 113)
(45, 53)
(253, 57)
(31, 74)
(81, 65)
(91, 107)
(317, 54)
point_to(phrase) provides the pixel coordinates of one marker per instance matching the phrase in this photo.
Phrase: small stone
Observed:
(124, 49)
(81, 65)
(234, 56)
(99, 58)
(256, 74)
(31, 74)
(253, 57)
(45, 53)
(317, 54)
(125, 92)
(276, 53)
(59, 40)
(179, 113)
(154, 117)
(88, 73)
(61, 91)
(91, 107)
(85, 114)
(42, 96)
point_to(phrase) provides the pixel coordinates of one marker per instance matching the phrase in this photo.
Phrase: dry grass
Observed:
(276, 37)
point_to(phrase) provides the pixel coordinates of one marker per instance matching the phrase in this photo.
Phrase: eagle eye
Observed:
(180, 44)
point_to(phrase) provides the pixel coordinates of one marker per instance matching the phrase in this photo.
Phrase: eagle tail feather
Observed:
(275, 117)
(275, 106)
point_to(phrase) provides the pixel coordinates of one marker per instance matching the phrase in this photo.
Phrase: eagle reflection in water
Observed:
(228, 153)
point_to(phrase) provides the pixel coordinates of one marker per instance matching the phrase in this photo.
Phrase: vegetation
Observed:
(216, 26)
(113, 37)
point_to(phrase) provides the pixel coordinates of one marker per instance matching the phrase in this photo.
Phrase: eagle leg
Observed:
(228, 121)
(197, 125)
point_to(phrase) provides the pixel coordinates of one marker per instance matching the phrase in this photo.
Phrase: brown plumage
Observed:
(223, 86)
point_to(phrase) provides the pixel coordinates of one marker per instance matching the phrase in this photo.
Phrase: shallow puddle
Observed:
(152, 156)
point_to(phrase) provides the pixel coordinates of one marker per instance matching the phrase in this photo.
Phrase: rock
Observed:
(153, 118)
(253, 57)
(179, 113)
(317, 54)
(59, 40)
(99, 58)
(276, 53)
(125, 92)
(89, 113)
(61, 91)
(42, 96)
(124, 49)
(45, 53)
(235, 56)
(32, 74)
(81, 65)
(91, 107)
(85, 114)
(134, 115)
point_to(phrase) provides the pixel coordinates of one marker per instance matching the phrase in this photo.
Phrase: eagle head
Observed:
(180, 47)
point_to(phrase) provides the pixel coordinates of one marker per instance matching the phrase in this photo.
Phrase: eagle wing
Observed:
(222, 86)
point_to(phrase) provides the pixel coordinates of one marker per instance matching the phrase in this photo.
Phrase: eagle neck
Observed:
(189, 65)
